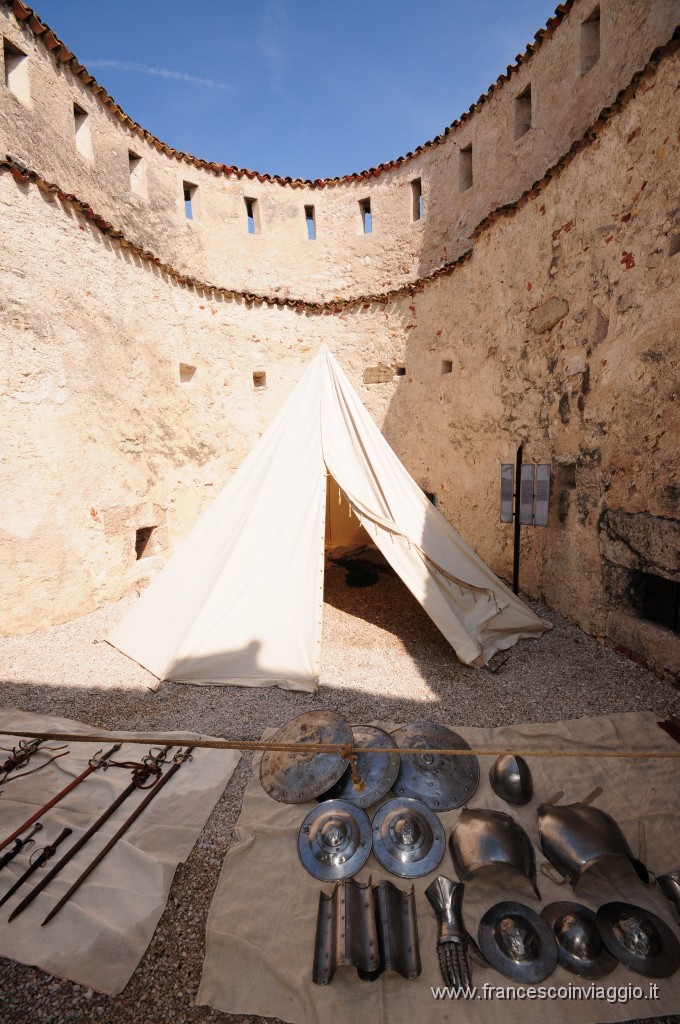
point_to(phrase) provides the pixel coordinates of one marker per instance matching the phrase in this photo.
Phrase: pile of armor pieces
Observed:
(429, 768)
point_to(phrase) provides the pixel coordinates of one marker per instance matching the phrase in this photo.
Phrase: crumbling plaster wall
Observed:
(562, 329)
(101, 438)
(215, 245)
(561, 326)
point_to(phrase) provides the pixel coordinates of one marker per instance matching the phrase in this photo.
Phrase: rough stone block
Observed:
(641, 542)
(548, 314)
(378, 374)
(659, 646)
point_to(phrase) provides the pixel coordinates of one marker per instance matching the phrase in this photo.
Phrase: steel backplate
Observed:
(408, 838)
(639, 939)
(441, 782)
(518, 943)
(334, 840)
(377, 771)
(293, 777)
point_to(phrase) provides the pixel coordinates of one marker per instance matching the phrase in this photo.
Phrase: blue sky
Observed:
(295, 87)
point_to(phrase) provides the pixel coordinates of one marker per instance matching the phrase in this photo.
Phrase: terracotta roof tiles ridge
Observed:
(27, 17)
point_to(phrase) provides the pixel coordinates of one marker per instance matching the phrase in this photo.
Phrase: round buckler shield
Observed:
(334, 840)
(639, 939)
(377, 771)
(441, 782)
(408, 838)
(579, 944)
(518, 943)
(293, 777)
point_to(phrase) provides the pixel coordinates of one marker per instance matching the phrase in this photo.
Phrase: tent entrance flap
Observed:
(344, 532)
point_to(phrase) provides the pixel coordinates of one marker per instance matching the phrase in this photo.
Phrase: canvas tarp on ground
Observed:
(241, 599)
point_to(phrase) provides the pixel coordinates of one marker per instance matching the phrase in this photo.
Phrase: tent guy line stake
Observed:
(345, 750)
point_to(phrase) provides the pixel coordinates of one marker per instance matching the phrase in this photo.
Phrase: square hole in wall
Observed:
(399, 369)
(16, 71)
(142, 538)
(186, 373)
(447, 366)
(259, 378)
(465, 168)
(590, 41)
(674, 245)
(523, 113)
(432, 497)
(565, 475)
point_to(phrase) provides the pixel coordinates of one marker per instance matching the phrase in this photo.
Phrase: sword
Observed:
(152, 761)
(47, 852)
(93, 765)
(178, 759)
(18, 758)
(19, 845)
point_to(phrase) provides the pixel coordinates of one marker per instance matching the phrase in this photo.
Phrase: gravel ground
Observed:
(382, 659)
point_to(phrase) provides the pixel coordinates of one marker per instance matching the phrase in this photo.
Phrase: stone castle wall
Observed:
(128, 398)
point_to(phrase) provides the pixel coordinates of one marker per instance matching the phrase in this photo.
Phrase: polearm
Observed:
(47, 852)
(141, 777)
(95, 763)
(19, 845)
(179, 759)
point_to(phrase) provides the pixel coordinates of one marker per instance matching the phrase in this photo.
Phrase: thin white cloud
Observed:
(150, 69)
(270, 42)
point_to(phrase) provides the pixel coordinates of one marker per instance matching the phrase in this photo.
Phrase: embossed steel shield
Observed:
(377, 771)
(293, 777)
(639, 939)
(518, 943)
(408, 837)
(334, 840)
(441, 782)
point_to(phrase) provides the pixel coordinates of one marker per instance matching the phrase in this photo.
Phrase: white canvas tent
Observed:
(241, 599)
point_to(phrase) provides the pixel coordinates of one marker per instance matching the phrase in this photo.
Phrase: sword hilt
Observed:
(51, 848)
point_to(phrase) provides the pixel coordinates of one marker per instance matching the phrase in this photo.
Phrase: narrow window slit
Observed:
(311, 223)
(465, 171)
(16, 71)
(366, 219)
(81, 124)
(523, 113)
(142, 538)
(251, 214)
(590, 41)
(189, 192)
(417, 198)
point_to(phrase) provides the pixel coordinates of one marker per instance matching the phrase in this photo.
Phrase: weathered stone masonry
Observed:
(130, 393)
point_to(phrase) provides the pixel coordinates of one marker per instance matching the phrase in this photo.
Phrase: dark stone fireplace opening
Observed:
(656, 599)
(641, 575)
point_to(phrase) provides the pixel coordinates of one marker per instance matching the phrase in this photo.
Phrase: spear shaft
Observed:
(92, 767)
(78, 845)
(179, 761)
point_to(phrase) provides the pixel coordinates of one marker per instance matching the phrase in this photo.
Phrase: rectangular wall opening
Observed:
(189, 191)
(417, 199)
(400, 370)
(656, 599)
(259, 379)
(523, 113)
(366, 219)
(81, 123)
(186, 373)
(447, 366)
(674, 245)
(252, 215)
(590, 41)
(135, 168)
(465, 169)
(311, 223)
(142, 538)
(16, 71)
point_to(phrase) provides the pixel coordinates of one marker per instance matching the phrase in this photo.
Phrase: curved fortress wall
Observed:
(129, 397)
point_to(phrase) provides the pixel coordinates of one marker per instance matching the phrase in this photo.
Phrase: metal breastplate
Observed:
(483, 839)
(577, 836)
